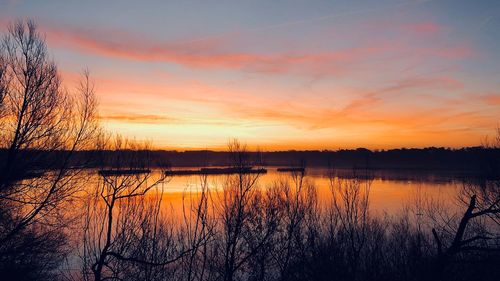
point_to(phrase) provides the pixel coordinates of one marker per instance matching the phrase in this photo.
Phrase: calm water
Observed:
(390, 191)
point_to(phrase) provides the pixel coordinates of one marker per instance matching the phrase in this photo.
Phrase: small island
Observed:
(217, 171)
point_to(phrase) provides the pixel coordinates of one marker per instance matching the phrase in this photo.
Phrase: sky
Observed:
(282, 75)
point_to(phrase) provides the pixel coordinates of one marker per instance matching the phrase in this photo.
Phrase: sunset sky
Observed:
(282, 74)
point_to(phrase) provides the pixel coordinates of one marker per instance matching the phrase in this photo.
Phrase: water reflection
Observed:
(390, 190)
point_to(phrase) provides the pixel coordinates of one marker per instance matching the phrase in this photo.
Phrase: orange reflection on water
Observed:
(390, 192)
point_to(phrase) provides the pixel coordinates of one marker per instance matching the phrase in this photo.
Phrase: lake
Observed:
(390, 190)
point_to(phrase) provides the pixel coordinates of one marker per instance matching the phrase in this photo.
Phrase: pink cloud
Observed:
(492, 99)
(203, 54)
(213, 53)
(424, 28)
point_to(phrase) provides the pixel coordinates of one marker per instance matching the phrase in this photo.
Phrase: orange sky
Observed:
(315, 75)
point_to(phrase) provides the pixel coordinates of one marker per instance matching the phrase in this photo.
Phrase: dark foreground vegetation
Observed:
(60, 221)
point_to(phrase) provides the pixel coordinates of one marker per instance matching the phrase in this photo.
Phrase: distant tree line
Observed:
(463, 159)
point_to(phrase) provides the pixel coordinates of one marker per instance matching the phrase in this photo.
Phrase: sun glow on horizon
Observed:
(326, 76)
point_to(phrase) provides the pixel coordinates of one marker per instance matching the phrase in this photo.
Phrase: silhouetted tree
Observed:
(298, 223)
(196, 232)
(125, 236)
(42, 126)
(350, 202)
(244, 228)
(478, 229)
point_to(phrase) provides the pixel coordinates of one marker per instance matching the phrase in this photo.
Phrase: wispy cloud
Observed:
(491, 99)
(129, 117)
(202, 55)
(214, 53)
(424, 28)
